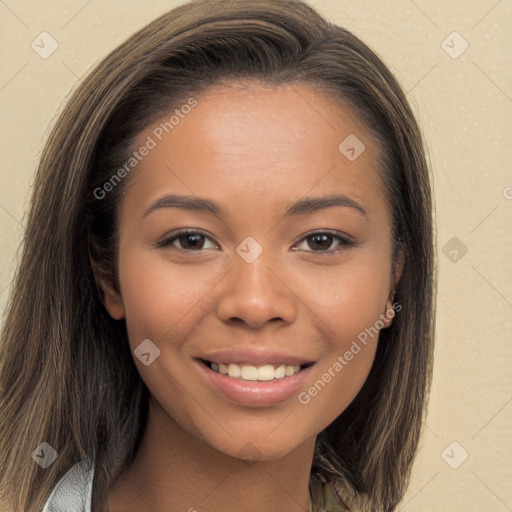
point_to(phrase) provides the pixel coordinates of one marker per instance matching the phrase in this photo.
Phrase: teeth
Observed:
(280, 372)
(252, 373)
(266, 372)
(234, 370)
(289, 371)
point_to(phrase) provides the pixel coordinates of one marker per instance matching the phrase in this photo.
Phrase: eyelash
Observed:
(344, 242)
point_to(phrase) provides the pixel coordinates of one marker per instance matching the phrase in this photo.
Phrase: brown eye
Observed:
(323, 242)
(189, 241)
(320, 242)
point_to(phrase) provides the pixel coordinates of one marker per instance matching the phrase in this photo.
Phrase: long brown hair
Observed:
(66, 372)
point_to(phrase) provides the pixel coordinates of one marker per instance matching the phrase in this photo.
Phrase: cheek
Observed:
(351, 297)
(350, 303)
(159, 297)
(341, 373)
(336, 384)
(163, 303)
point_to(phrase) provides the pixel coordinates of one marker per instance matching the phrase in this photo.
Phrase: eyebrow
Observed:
(303, 206)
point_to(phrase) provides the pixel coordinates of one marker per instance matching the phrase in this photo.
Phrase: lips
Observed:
(255, 377)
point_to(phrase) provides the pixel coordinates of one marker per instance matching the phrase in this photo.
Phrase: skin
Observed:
(254, 149)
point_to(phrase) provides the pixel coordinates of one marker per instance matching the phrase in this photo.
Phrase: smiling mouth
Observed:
(249, 372)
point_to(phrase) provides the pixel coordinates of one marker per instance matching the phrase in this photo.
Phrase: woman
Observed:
(226, 291)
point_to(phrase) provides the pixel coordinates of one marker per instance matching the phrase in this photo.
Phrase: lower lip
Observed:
(256, 393)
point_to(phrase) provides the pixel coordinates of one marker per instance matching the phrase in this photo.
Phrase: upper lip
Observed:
(255, 357)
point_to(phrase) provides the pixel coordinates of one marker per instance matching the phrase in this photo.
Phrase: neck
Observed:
(175, 471)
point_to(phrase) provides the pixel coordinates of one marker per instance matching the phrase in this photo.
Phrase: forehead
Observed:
(247, 136)
(284, 120)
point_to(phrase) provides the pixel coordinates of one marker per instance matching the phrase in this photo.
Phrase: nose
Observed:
(254, 294)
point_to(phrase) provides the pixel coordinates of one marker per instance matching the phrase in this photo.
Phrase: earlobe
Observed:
(389, 314)
(113, 304)
(398, 268)
(112, 300)
(109, 296)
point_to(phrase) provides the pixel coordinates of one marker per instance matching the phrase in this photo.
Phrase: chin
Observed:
(253, 448)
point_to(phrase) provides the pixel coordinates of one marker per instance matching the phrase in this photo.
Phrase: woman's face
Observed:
(276, 283)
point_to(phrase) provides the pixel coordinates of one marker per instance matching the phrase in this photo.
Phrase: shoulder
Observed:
(331, 496)
(74, 490)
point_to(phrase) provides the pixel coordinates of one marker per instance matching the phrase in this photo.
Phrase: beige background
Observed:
(464, 105)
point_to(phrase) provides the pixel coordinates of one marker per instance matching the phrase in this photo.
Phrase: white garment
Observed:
(73, 491)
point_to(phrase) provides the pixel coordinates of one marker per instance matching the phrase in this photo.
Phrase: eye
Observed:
(189, 240)
(322, 241)
(196, 241)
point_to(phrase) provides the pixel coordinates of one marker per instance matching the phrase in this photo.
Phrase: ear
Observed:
(112, 301)
(396, 273)
(110, 297)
